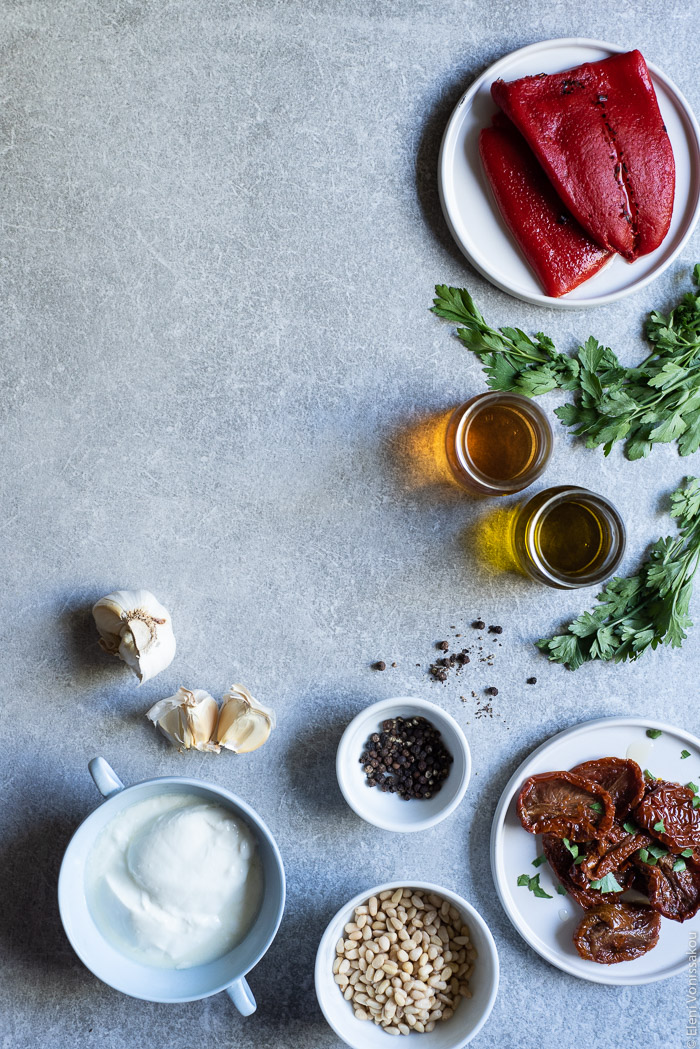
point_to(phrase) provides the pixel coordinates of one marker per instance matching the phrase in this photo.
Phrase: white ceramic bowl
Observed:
(389, 811)
(471, 1014)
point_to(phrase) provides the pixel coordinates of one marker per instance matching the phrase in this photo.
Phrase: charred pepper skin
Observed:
(599, 135)
(558, 250)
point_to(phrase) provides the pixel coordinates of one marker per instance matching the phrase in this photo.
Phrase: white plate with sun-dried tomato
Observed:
(533, 898)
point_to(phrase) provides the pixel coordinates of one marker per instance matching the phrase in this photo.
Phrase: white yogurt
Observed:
(174, 881)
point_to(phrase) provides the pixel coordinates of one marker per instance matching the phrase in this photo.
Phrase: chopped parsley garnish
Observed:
(679, 865)
(654, 733)
(685, 754)
(539, 861)
(533, 884)
(561, 890)
(573, 849)
(630, 827)
(650, 775)
(693, 786)
(659, 827)
(687, 853)
(657, 851)
(607, 884)
(596, 806)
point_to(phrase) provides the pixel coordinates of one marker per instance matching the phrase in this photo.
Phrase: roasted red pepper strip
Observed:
(601, 140)
(561, 254)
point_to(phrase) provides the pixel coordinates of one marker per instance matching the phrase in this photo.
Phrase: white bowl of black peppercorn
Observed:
(403, 764)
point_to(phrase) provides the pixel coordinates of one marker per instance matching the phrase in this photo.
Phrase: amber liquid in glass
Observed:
(500, 442)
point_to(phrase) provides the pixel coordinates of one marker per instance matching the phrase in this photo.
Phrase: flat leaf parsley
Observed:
(654, 403)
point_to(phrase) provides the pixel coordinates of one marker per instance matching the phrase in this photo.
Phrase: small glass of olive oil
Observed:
(498, 443)
(568, 537)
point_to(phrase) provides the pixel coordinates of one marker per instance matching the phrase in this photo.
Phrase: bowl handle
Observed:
(106, 779)
(242, 997)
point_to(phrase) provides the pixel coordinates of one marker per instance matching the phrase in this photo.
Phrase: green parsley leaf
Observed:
(696, 802)
(656, 402)
(657, 851)
(537, 889)
(643, 611)
(630, 827)
(693, 786)
(561, 890)
(539, 861)
(644, 857)
(596, 806)
(533, 885)
(679, 865)
(573, 849)
(659, 827)
(687, 853)
(650, 775)
(578, 860)
(685, 754)
(607, 884)
(653, 733)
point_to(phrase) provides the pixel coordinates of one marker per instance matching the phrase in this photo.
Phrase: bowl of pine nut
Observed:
(413, 958)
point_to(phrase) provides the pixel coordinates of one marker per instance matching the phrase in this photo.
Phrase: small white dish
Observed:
(471, 1014)
(148, 982)
(389, 811)
(548, 925)
(475, 221)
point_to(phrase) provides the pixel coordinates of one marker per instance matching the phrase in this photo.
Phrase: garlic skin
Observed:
(244, 724)
(136, 627)
(188, 719)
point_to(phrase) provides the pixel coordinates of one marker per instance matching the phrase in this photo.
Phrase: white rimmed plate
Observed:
(475, 221)
(548, 925)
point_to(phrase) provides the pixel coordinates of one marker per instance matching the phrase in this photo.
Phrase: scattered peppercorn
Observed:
(495, 630)
(394, 664)
(444, 645)
(532, 681)
(407, 758)
(379, 665)
(491, 691)
(478, 624)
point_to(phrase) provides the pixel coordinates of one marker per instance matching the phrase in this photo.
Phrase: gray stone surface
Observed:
(220, 233)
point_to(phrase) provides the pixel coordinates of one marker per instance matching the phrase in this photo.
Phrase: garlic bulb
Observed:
(244, 724)
(187, 719)
(134, 626)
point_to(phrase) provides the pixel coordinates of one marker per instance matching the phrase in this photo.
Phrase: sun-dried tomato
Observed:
(622, 778)
(562, 864)
(565, 804)
(667, 813)
(612, 855)
(675, 894)
(617, 932)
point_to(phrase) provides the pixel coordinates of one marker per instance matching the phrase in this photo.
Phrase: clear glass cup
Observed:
(568, 537)
(497, 443)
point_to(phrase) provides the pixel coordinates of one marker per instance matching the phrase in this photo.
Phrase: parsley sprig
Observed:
(645, 610)
(654, 403)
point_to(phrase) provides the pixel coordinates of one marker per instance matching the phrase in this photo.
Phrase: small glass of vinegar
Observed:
(498, 443)
(568, 537)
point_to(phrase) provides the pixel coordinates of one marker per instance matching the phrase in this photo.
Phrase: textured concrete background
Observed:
(220, 234)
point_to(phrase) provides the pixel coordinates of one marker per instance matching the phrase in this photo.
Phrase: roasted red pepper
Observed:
(561, 254)
(601, 140)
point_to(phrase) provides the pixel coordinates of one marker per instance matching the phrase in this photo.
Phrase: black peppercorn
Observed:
(491, 691)
(408, 758)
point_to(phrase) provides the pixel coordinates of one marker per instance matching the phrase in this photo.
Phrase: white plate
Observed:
(475, 221)
(548, 925)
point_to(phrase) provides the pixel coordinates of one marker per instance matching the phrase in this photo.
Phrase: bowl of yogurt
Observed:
(171, 890)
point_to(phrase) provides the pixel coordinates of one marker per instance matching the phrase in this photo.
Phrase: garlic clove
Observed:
(188, 719)
(244, 724)
(136, 627)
